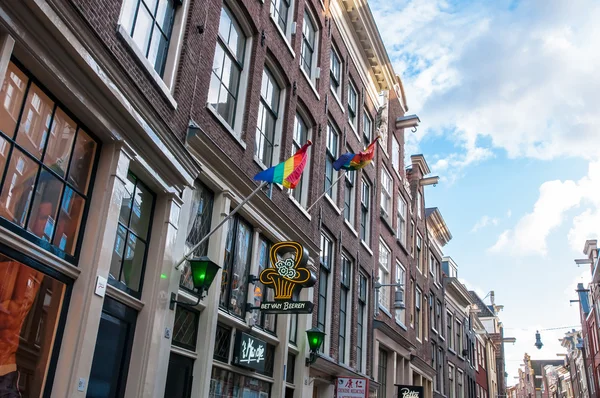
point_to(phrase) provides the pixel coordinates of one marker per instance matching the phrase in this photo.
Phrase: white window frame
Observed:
(302, 189)
(418, 314)
(367, 122)
(312, 76)
(327, 340)
(365, 203)
(419, 252)
(363, 363)
(396, 154)
(452, 381)
(387, 187)
(400, 314)
(460, 384)
(401, 220)
(333, 154)
(289, 20)
(450, 339)
(350, 193)
(384, 274)
(347, 330)
(336, 91)
(275, 151)
(352, 113)
(419, 204)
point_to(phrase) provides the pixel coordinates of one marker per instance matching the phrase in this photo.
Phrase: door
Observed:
(179, 377)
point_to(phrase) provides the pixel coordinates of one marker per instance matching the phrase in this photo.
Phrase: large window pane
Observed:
(11, 96)
(18, 187)
(237, 258)
(45, 206)
(142, 29)
(35, 121)
(69, 220)
(82, 161)
(60, 143)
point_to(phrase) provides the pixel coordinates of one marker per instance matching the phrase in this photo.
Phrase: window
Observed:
(349, 196)
(345, 298)
(438, 316)
(458, 338)
(412, 238)
(384, 274)
(386, 192)
(290, 368)
(440, 370)
(308, 52)
(401, 278)
(133, 233)
(396, 154)
(451, 383)
(268, 119)
(367, 128)
(150, 23)
(352, 105)
(226, 91)
(401, 221)
(185, 327)
(418, 320)
(179, 375)
(197, 227)
(432, 311)
(419, 203)
(280, 10)
(301, 135)
(331, 155)
(47, 160)
(326, 259)
(418, 253)
(365, 212)
(234, 283)
(382, 374)
(267, 322)
(434, 365)
(460, 389)
(335, 72)
(361, 336)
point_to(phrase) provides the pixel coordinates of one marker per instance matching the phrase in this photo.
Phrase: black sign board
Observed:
(287, 307)
(250, 352)
(410, 391)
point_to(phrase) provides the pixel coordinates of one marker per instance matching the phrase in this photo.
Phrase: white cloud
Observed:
(555, 199)
(483, 222)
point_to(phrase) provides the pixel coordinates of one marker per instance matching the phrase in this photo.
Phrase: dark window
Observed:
(335, 71)
(349, 196)
(222, 341)
(133, 233)
(418, 320)
(234, 282)
(326, 263)
(352, 104)
(365, 216)
(290, 368)
(269, 360)
(346, 268)
(432, 323)
(197, 228)
(367, 128)
(438, 317)
(185, 328)
(361, 317)
(224, 383)
(382, 374)
(294, 320)
(440, 372)
(261, 293)
(309, 33)
(110, 365)
(179, 377)
(46, 166)
(268, 113)
(280, 10)
(150, 24)
(330, 157)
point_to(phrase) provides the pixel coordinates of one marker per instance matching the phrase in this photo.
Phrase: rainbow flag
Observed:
(356, 161)
(286, 173)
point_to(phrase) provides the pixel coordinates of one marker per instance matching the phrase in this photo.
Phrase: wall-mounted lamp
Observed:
(410, 121)
(315, 340)
(398, 296)
(203, 274)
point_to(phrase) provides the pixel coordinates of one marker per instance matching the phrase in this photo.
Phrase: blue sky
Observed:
(506, 92)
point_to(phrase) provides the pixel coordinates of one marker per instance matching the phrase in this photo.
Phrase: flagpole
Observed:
(325, 192)
(223, 221)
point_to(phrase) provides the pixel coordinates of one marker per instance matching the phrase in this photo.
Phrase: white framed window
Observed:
(280, 11)
(384, 274)
(331, 155)
(336, 67)
(431, 263)
(345, 309)
(419, 204)
(451, 381)
(365, 211)
(400, 278)
(361, 327)
(401, 220)
(349, 195)
(458, 341)
(418, 314)
(352, 105)
(301, 135)
(367, 128)
(326, 259)
(226, 94)
(387, 185)
(309, 50)
(460, 381)
(418, 253)
(395, 154)
(268, 125)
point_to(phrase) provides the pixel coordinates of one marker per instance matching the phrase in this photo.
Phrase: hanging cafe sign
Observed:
(286, 275)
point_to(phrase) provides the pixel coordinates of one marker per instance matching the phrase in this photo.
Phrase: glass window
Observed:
(335, 71)
(386, 192)
(352, 105)
(261, 293)
(228, 67)
(150, 24)
(365, 212)
(361, 323)
(418, 320)
(185, 327)
(30, 309)
(384, 274)
(326, 261)
(401, 278)
(396, 154)
(179, 376)
(432, 311)
(234, 283)
(224, 383)
(133, 233)
(47, 161)
(197, 227)
(449, 332)
(301, 136)
(438, 316)
(307, 52)
(222, 342)
(290, 368)
(382, 374)
(419, 204)
(345, 297)
(349, 195)
(367, 128)
(451, 385)
(280, 10)
(460, 389)
(331, 155)
(418, 253)
(268, 113)
(458, 338)
(401, 221)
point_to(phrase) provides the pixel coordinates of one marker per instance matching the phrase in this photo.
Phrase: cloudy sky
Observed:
(506, 92)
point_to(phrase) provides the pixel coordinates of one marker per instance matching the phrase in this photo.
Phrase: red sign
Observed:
(352, 387)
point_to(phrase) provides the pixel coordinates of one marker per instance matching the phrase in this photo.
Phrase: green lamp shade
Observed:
(315, 338)
(203, 272)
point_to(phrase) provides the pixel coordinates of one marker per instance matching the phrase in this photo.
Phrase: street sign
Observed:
(352, 387)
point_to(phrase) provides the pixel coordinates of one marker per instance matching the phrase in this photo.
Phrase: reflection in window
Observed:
(224, 383)
(129, 254)
(268, 113)
(261, 292)
(47, 174)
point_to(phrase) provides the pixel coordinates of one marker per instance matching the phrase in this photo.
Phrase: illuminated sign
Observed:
(250, 352)
(352, 387)
(287, 274)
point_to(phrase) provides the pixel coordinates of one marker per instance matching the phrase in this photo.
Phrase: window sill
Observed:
(300, 207)
(461, 357)
(364, 244)
(353, 128)
(437, 284)
(310, 83)
(332, 203)
(351, 228)
(452, 350)
(122, 33)
(403, 326)
(442, 338)
(402, 246)
(337, 99)
(226, 125)
(184, 352)
(385, 310)
(259, 163)
(283, 36)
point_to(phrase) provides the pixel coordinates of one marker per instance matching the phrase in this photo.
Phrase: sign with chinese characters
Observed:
(352, 387)
(250, 352)
(410, 391)
(287, 274)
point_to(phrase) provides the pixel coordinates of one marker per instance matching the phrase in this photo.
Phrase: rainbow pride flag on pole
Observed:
(286, 173)
(356, 161)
